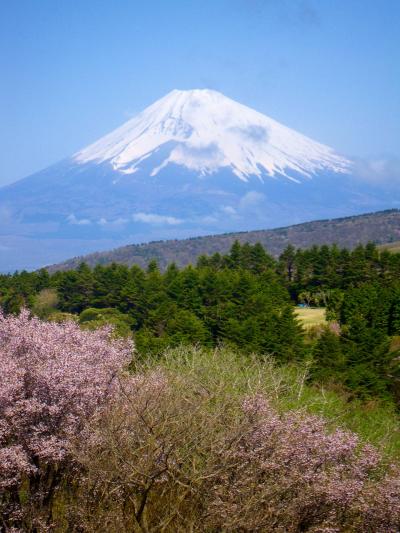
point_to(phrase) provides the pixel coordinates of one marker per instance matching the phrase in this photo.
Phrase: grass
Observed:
(395, 343)
(311, 316)
(232, 375)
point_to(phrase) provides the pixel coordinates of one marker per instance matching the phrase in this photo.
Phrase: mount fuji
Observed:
(193, 163)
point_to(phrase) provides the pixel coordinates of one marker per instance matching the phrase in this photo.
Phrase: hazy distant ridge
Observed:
(381, 227)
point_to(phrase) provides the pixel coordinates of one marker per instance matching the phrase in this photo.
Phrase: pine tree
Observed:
(329, 361)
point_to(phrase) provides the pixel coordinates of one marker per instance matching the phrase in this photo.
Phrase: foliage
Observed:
(239, 300)
(92, 318)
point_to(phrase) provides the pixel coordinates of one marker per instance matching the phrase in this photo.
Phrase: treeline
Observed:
(244, 299)
(330, 267)
(246, 306)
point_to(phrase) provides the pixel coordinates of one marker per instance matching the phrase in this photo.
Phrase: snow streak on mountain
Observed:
(193, 163)
(210, 132)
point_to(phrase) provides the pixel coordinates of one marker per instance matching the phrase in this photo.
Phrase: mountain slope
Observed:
(193, 163)
(381, 227)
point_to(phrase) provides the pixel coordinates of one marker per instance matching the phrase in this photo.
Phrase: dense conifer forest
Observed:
(245, 299)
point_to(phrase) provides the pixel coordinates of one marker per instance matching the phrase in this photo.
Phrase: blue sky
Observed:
(73, 71)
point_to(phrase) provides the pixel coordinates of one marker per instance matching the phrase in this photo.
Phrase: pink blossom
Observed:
(53, 378)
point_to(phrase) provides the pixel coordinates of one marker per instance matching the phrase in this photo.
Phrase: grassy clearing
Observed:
(311, 316)
(393, 247)
(395, 343)
(232, 376)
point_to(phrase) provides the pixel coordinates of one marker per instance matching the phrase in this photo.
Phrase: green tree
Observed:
(328, 359)
(93, 318)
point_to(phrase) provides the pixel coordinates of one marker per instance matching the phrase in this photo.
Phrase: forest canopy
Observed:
(245, 299)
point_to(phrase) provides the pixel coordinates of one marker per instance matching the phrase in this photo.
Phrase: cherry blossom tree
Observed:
(54, 377)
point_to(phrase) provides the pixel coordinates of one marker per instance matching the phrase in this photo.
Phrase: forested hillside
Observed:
(245, 299)
(381, 227)
(229, 415)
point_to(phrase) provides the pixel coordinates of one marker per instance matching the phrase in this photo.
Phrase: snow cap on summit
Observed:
(205, 131)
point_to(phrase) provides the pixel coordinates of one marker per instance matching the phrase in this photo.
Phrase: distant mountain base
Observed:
(382, 227)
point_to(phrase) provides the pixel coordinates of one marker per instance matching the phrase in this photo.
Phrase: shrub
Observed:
(191, 451)
(93, 318)
(45, 303)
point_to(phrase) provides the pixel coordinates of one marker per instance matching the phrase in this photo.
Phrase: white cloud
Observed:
(378, 170)
(209, 219)
(251, 199)
(253, 133)
(228, 210)
(78, 221)
(153, 218)
(117, 222)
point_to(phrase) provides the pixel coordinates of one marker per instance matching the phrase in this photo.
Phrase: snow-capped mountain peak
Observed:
(204, 131)
(193, 163)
